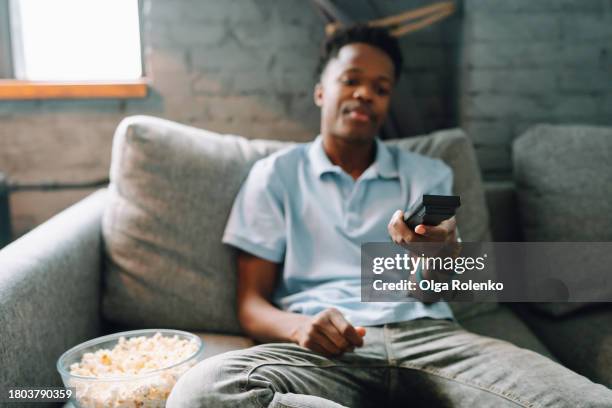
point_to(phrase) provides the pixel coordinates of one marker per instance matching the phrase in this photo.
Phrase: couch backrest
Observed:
(172, 187)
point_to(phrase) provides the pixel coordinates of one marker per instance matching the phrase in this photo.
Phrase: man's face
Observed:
(354, 92)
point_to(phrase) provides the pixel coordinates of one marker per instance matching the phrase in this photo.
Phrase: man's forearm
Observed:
(264, 322)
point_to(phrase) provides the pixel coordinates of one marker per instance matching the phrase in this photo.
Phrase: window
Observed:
(76, 42)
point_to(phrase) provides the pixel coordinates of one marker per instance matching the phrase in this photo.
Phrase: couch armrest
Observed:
(50, 293)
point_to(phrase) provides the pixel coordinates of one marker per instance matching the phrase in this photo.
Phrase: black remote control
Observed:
(432, 210)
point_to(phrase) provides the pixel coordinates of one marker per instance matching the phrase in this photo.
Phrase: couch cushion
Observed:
(220, 343)
(171, 190)
(564, 183)
(580, 341)
(172, 187)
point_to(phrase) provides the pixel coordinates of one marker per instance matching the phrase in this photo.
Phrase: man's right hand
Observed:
(328, 333)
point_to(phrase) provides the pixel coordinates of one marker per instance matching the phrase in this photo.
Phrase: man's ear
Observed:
(318, 95)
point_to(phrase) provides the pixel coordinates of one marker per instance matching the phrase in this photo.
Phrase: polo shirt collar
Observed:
(384, 165)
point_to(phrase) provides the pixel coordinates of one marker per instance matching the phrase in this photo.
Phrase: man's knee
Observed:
(211, 381)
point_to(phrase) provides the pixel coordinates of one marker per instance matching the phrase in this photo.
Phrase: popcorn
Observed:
(132, 357)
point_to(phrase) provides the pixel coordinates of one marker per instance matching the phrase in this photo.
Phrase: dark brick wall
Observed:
(525, 62)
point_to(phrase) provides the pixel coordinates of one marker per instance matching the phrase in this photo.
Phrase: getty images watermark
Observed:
(487, 272)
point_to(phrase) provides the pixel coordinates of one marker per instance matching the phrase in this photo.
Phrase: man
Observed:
(299, 221)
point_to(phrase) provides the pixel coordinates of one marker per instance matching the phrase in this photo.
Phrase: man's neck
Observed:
(353, 157)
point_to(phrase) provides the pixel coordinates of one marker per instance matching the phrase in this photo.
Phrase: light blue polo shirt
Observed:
(298, 209)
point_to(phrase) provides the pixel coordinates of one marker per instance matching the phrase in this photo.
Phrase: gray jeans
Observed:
(417, 363)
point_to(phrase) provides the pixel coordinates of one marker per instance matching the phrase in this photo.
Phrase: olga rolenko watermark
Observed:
(435, 286)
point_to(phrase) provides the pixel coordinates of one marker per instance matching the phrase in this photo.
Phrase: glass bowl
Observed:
(149, 389)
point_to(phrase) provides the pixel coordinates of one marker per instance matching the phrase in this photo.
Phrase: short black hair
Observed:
(359, 33)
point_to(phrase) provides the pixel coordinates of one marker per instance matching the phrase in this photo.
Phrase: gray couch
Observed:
(146, 252)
